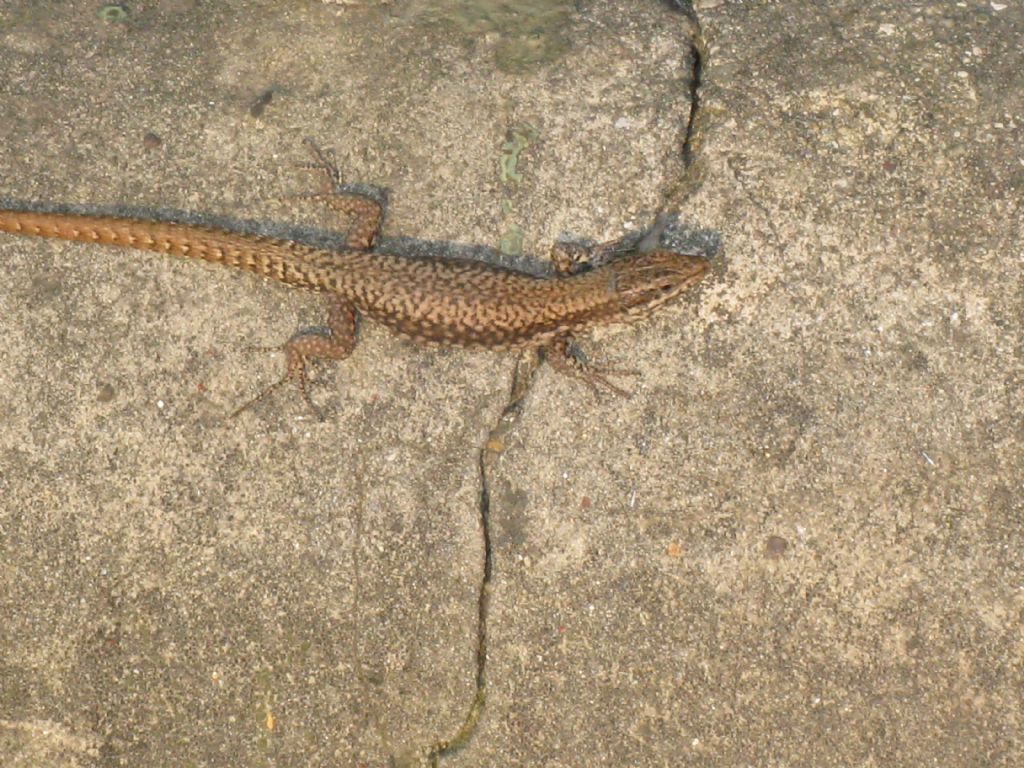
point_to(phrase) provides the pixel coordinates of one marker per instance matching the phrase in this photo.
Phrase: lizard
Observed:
(433, 301)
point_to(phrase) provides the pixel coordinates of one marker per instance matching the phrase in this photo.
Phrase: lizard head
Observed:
(647, 280)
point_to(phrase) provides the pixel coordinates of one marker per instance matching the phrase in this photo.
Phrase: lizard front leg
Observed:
(570, 258)
(568, 360)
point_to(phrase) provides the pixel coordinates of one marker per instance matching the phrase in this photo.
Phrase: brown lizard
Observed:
(435, 301)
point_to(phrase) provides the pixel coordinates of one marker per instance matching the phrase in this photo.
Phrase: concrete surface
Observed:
(799, 543)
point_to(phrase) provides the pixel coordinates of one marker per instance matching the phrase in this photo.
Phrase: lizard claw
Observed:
(295, 370)
(321, 162)
(565, 357)
(597, 377)
(299, 376)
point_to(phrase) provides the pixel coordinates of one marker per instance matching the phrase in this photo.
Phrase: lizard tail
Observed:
(277, 259)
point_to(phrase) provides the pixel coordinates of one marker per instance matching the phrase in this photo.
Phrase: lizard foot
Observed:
(566, 358)
(298, 350)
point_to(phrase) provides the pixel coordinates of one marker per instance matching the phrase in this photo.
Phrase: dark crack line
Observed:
(521, 382)
(690, 180)
(476, 707)
(698, 57)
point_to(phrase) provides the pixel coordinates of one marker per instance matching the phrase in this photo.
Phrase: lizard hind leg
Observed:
(335, 342)
(363, 211)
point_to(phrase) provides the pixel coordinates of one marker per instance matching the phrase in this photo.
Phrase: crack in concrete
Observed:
(692, 177)
(698, 57)
(522, 381)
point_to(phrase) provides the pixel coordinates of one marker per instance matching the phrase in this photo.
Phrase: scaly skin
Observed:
(434, 301)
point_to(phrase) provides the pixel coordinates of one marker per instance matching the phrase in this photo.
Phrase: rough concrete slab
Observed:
(180, 587)
(798, 542)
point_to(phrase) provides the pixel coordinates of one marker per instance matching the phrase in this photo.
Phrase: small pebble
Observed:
(775, 546)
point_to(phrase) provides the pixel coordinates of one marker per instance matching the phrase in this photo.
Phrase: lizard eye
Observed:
(665, 285)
